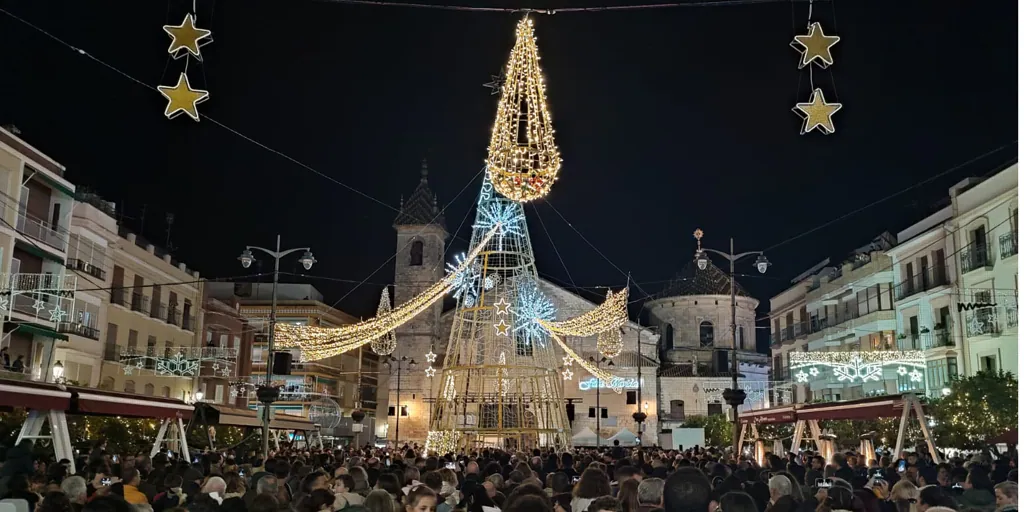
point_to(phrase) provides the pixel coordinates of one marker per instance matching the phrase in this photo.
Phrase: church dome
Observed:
(694, 281)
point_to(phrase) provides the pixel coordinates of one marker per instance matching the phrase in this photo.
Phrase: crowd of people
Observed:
(612, 479)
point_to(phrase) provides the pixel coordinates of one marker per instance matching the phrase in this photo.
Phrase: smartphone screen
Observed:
(450, 465)
(902, 466)
(823, 483)
(575, 479)
(105, 481)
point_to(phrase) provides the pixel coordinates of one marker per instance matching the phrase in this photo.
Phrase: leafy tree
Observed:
(978, 407)
(717, 428)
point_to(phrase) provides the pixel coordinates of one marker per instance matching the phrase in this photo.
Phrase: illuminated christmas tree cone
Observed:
(500, 384)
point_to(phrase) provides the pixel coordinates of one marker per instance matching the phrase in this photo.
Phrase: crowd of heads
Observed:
(611, 479)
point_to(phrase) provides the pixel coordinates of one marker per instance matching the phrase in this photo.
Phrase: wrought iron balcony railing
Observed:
(974, 257)
(1008, 244)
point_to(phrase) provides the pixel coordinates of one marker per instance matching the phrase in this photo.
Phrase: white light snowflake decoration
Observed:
(858, 370)
(902, 370)
(532, 305)
(466, 284)
(506, 213)
(813, 371)
(177, 366)
(801, 376)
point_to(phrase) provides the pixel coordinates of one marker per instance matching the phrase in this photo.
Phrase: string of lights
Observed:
(318, 343)
(609, 315)
(607, 379)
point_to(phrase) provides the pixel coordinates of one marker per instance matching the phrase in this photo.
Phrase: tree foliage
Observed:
(717, 428)
(977, 408)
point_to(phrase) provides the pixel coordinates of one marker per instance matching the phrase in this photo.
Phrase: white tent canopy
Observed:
(624, 437)
(585, 437)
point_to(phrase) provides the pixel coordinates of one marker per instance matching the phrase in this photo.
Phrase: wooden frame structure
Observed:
(805, 419)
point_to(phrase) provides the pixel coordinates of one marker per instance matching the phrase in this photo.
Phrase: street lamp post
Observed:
(735, 396)
(397, 363)
(266, 393)
(640, 416)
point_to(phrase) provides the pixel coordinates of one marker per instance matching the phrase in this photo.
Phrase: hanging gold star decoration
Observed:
(183, 98)
(817, 113)
(187, 38)
(815, 47)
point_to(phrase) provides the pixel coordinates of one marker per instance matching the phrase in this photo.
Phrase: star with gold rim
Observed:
(501, 328)
(817, 113)
(183, 98)
(502, 306)
(815, 47)
(187, 38)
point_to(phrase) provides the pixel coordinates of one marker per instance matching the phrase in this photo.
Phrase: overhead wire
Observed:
(557, 10)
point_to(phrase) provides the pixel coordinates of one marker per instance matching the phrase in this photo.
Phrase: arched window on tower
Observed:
(739, 337)
(669, 342)
(416, 254)
(707, 334)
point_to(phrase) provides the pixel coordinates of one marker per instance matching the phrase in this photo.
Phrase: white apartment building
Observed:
(37, 294)
(834, 333)
(985, 238)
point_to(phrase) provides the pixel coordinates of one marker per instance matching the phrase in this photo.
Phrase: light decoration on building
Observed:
(318, 343)
(501, 328)
(856, 367)
(567, 361)
(609, 343)
(567, 374)
(616, 382)
(611, 314)
(430, 371)
(523, 166)
(385, 344)
(507, 215)
(448, 393)
(430, 357)
(532, 308)
(177, 366)
(504, 383)
(586, 365)
(466, 285)
(442, 442)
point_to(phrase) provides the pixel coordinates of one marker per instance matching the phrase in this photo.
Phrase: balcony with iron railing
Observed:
(86, 267)
(974, 257)
(79, 329)
(1007, 244)
(140, 303)
(939, 338)
(923, 281)
(983, 321)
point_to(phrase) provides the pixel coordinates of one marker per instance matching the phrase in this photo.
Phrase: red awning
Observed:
(95, 401)
(33, 395)
(784, 414)
(889, 406)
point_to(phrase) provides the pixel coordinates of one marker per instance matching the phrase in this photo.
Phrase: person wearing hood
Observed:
(978, 491)
(172, 497)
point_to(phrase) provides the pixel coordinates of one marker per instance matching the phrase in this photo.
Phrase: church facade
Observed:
(668, 371)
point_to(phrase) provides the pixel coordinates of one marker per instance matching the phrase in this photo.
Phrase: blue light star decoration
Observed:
(531, 305)
(467, 283)
(507, 213)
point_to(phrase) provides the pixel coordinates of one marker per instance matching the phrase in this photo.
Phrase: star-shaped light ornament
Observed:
(183, 98)
(815, 47)
(902, 370)
(567, 361)
(38, 305)
(430, 356)
(817, 113)
(501, 328)
(801, 376)
(187, 38)
(567, 374)
(496, 83)
(502, 306)
(916, 376)
(431, 371)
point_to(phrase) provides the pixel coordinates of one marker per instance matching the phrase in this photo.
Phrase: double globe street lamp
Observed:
(266, 393)
(733, 397)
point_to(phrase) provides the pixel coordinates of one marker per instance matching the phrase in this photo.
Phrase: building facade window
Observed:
(416, 254)
(149, 389)
(630, 397)
(707, 334)
(165, 391)
(129, 386)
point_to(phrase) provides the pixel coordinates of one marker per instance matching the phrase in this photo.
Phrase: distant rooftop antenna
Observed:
(170, 223)
(13, 129)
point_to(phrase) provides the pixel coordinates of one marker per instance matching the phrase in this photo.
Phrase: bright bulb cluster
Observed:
(442, 442)
(611, 314)
(322, 342)
(609, 343)
(523, 166)
(385, 344)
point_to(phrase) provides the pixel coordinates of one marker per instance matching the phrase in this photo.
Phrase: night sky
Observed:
(667, 119)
